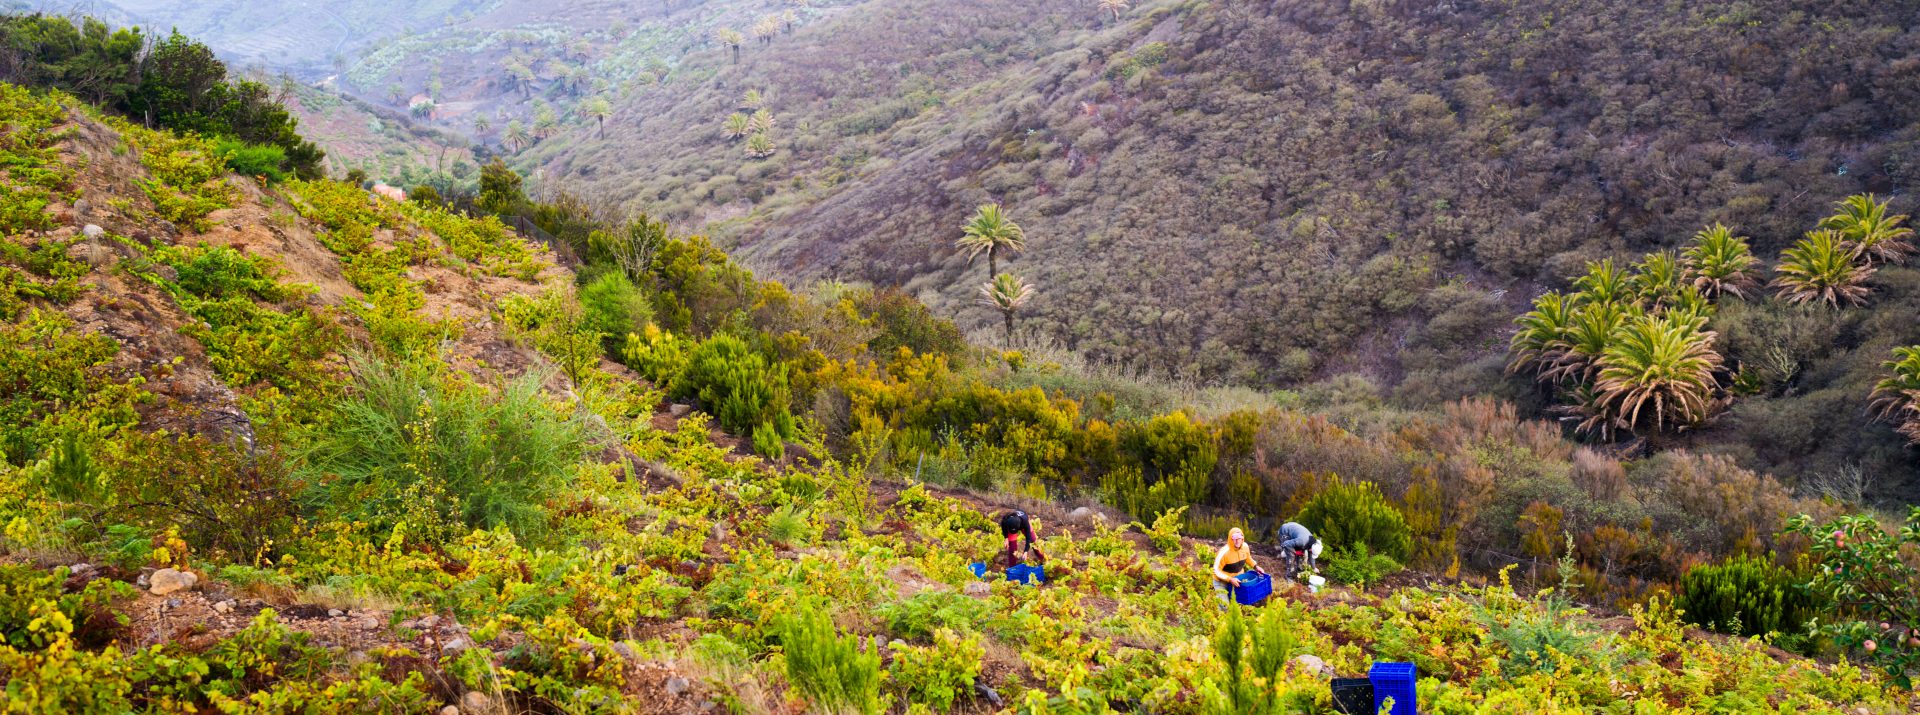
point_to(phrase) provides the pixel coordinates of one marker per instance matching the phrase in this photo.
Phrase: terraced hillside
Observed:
(294, 448)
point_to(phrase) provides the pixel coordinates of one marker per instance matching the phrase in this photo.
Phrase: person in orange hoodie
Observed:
(1234, 561)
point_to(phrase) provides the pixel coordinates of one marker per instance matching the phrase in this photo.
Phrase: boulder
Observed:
(167, 581)
(677, 685)
(1313, 664)
(1084, 515)
(977, 589)
(450, 710)
(679, 410)
(93, 231)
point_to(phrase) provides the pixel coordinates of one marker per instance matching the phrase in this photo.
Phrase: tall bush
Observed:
(742, 388)
(1346, 515)
(832, 670)
(1745, 596)
(411, 445)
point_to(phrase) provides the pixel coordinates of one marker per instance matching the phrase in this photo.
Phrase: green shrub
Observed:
(614, 306)
(931, 610)
(737, 385)
(1745, 596)
(1360, 567)
(90, 611)
(832, 670)
(1346, 515)
(658, 355)
(252, 159)
(412, 445)
(937, 675)
(767, 442)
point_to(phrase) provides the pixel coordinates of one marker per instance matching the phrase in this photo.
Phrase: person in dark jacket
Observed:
(1299, 546)
(1014, 525)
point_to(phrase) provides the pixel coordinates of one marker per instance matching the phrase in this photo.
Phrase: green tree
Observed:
(1823, 268)
(1870, 589)
(761, 122)
(990, 232)
(1008, 294)
(1657, 373)
(1864, 224)
(1718, 262)
(500, 191)
(752, 99)
(1540, 341)
(1606, 283)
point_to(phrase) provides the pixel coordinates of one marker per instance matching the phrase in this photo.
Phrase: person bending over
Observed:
(1014, 525)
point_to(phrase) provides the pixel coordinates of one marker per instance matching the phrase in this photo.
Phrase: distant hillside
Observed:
(1262, 193)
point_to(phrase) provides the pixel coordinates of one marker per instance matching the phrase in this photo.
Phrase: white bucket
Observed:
(1315, 583)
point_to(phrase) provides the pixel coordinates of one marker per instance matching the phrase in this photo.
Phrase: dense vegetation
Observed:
(172, 82)
(476, 456)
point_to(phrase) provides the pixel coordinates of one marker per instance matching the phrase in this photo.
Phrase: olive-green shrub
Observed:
(1745, 596)
(741, 387)
(1345, 515)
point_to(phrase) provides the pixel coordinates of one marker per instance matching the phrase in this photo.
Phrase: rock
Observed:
(167, 581)
(80, 569)
(92, 231)
(453, 647)
(145, 579)
(719, 534)
(625, 651)
(450, 710)
(977, 589)
(370, 623)
(677, 685)
(989, 694)
(223, 607)
(1313, 664)
(1082, 515)
(429, 621)
(679, 410)
(81, 207)
(167, 272)
(475, 702)
(357, 657)
(335, 613)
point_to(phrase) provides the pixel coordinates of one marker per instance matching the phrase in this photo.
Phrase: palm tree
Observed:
(517, 136)
(1114, 7)
(760, 146)
(1658, 373)
(766, 29)
(788, 17)
(762, 121)
(752, 99)
(1821, 267)
(1719, 262)
(1897, 397)
(599, 109)
(481, 124)
(1865, 225)
(736, 126)
(519, 76)
(546, 122)
(731, 38)
(1605, 282)
(1006, 293)
(1537, 345)
(1585, 340)
(990, 231)
(1656, 279)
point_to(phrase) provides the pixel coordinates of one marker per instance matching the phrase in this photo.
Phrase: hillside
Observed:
(289, 447)
(1268, 194)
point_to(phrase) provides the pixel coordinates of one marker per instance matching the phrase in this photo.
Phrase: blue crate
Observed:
(1254, 590)
(979, 569)
(1395, 680)
(1027, 574)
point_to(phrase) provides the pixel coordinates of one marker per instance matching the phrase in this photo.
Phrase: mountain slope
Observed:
(1262, 192)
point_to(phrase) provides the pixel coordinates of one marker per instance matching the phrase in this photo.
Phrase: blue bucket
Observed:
(979, 569)
(1027, 574)
(1254, 590)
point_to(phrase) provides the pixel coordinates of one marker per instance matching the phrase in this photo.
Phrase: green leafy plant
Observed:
(742, 388)
(937, 675)
(1870, 588)
(1360, 567)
